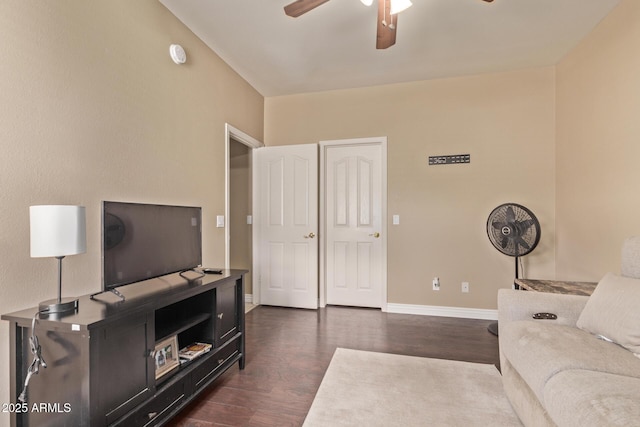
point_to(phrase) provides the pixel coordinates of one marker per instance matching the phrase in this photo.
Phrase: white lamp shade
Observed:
(398, 6)
(367, 2)
(57, 230)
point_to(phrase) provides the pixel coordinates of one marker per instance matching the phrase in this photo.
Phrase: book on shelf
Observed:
(194, 350)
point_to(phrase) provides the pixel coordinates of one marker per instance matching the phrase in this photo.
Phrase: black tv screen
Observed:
(142, 241)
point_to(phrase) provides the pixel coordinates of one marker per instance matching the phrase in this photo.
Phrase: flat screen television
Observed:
(142, 241)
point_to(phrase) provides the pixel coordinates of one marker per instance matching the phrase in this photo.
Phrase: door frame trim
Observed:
(324, 146)
(231, 132)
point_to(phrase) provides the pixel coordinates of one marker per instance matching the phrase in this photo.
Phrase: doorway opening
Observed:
(240, 218)
(239, 239)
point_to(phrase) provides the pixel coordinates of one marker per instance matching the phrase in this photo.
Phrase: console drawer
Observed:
(161, 405)
(213, 365)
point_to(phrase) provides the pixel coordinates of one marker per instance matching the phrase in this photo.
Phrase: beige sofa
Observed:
(582, 369)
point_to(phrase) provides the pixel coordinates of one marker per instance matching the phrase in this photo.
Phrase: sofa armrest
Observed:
(522, 305)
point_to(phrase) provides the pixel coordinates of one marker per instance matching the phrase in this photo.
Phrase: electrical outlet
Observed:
(436, 284)
(465, 287)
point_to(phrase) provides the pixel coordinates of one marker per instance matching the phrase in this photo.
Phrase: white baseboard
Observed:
(434, 310)
(430, 310)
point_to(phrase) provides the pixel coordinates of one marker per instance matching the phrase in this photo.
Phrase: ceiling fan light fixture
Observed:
(398, 6)
(367, 2)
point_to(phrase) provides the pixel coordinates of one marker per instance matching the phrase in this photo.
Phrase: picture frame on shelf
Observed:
(166, 356)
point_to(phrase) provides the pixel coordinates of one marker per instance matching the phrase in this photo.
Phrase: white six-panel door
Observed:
(355, 260)
(288, 210)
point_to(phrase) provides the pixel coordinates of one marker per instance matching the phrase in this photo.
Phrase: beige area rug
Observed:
(362, 388)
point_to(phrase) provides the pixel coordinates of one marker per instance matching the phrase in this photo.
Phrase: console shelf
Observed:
(164, 331)
(100, 359)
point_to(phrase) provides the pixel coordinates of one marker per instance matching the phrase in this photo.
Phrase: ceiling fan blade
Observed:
(300, 7)
(386, 34)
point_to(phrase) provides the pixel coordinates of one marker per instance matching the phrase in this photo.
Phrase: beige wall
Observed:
(505, 121)
(598, 147)
(92, 108)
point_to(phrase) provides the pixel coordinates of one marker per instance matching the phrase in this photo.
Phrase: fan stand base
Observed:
(493, 328)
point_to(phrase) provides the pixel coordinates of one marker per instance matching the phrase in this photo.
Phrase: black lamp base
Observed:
(63, 305)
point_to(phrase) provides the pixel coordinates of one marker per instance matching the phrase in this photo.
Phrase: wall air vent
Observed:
(450, 159)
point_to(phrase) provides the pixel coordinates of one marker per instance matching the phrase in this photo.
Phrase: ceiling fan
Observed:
(387, 16)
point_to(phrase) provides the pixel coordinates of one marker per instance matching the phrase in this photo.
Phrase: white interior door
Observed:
(355, 232)
(288, 215)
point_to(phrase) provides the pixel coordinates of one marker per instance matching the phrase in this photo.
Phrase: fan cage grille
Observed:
(513, 229)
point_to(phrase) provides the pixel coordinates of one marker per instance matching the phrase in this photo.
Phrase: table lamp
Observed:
(58, 231)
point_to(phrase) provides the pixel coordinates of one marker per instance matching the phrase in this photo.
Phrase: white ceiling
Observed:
(333, 46)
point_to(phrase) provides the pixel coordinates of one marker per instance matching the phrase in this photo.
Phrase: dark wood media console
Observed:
(101, 369)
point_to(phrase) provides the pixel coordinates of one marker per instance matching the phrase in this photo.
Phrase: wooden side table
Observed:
(550, 286)
(556, 286)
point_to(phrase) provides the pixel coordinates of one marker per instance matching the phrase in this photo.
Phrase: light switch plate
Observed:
(396, 219)
(220, 221)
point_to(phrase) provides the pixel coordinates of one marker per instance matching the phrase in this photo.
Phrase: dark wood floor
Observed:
(289, 350)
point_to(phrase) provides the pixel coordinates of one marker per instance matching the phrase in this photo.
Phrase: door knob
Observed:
(376, 234)
(310, 236)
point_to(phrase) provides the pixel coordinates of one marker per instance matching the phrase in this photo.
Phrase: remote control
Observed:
(548, 316)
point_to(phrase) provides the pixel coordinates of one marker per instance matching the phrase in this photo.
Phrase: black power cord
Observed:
(38, 360)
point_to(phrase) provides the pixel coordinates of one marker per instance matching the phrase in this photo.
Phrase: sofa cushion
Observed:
(587, 398)
(539, 349)
(613, 311)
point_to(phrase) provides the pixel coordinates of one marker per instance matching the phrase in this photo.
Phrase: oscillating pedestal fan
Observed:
(515, 231)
